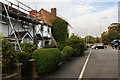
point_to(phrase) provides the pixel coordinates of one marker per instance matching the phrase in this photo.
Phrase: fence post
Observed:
(33, 68)
(19, 70)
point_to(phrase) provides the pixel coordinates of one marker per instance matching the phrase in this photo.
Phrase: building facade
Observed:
(25, 27)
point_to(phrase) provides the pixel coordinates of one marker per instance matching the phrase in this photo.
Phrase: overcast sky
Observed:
(81, 14)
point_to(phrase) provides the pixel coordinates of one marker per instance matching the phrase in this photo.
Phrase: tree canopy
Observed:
(112, 33)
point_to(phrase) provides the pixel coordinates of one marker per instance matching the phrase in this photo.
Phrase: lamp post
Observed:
(101, 28)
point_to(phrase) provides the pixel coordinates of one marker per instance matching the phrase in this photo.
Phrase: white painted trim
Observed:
(83, 69)
(25, 35)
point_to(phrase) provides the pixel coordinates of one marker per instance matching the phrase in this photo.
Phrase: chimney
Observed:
(53, 11)
(33, 13)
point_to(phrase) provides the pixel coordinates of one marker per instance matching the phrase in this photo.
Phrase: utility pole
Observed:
(86, 36)
(100, 33)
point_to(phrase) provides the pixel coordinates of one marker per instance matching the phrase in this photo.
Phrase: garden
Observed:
(44, 60)
(47, 59)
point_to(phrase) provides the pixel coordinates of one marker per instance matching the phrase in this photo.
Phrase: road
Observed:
(102, 64)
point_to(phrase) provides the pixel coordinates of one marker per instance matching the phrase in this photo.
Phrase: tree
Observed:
(114, 26)
(109, 36)
(77, 44)
(105, 38)
(91, 39)
(113, 35)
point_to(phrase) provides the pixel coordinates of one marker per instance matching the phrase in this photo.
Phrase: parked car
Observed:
(91, 45)
(119, 45)
(98, 46)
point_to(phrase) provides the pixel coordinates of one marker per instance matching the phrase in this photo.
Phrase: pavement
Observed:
(71, 69)
(103, 63)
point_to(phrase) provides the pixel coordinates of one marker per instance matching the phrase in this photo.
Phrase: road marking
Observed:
(83, 69)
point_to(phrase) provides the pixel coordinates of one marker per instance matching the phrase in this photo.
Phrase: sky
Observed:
(81, 14)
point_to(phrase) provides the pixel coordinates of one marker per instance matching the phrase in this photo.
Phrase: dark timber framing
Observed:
(19, 17)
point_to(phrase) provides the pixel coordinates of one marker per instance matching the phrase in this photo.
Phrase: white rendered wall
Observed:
(70, 31)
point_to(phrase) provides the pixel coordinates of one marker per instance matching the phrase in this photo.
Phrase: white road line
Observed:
(83, 69)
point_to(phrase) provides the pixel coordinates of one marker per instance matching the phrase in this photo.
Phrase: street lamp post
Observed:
(101, 28)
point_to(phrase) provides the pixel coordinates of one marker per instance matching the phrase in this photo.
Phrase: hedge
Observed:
(77, 44)
(52, 45)
(68, 52)
(59, 29)
(23, 58)
(9, 57)
(47, 59)
(28, 47)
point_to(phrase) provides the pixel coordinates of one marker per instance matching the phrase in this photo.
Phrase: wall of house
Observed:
(70, 31)
(18, 27)
(45, 33)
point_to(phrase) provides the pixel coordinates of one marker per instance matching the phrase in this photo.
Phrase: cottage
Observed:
(46, 17)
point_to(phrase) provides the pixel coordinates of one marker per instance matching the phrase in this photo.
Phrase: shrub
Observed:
(23, 58)
(77, 44)
(68, 52)
(47, 59)
(9, 57)
(52, 45)
(61, 45)
(59, 29)
(28, 47)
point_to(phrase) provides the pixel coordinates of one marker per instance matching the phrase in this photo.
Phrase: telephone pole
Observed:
(86, 36)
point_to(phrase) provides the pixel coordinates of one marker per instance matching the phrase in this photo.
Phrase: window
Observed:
(26, 40)
(46, 42)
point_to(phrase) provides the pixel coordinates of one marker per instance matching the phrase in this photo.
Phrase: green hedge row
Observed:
(68, 52)
(23, 58)
(47, 59)
(9, 57)
(77, 44)
(28, 47)
(59, 29)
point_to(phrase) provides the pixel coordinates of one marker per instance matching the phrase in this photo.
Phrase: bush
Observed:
(59, 45)
(28, 47)
(77, 44)
(59, 29)
(68, 52)
(52, 45)
(9, 57)
(23, 58)
(47, 59)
